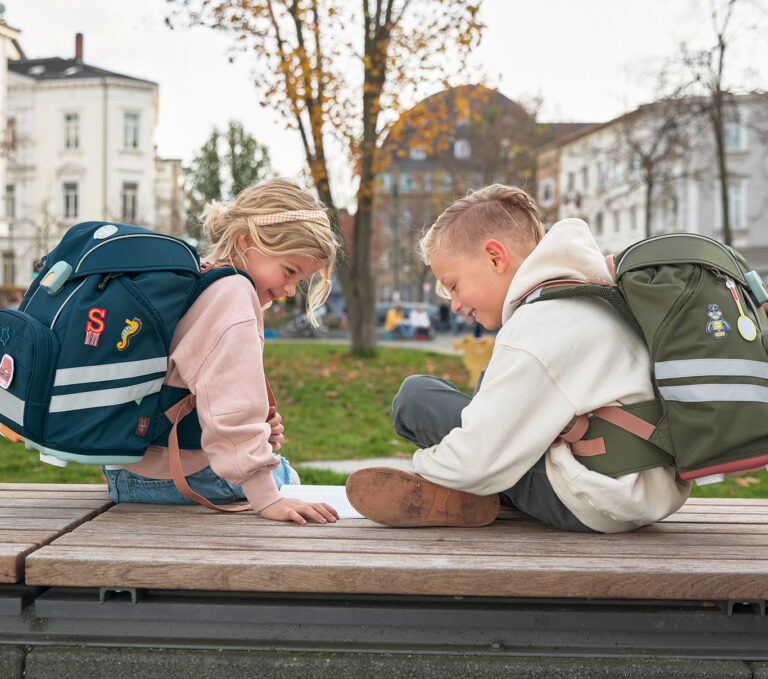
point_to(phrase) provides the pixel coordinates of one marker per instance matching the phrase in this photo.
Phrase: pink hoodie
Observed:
(216, 353)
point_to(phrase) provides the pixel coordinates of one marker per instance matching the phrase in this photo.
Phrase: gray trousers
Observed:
(426, 408)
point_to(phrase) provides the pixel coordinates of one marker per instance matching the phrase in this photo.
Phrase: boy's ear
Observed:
(498, 254)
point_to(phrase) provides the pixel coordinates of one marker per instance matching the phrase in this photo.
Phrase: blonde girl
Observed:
(280, 236)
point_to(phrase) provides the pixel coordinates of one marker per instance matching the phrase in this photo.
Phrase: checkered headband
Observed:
(316, 216)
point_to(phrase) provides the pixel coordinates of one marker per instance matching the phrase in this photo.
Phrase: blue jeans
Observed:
(125, 486)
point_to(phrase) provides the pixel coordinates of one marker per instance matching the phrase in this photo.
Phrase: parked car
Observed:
(431, 309)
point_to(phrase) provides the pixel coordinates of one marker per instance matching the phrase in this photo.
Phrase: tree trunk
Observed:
(648, 206)
(722, 164)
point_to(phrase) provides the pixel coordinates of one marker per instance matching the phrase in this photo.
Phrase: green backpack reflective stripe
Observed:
(698, 310)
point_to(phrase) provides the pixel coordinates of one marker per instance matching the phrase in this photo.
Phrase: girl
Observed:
(279, 235)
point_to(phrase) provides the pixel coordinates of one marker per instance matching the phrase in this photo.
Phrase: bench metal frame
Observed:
(509, 627)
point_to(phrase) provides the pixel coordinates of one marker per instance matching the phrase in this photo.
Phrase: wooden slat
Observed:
(31, 515)
(499, 575)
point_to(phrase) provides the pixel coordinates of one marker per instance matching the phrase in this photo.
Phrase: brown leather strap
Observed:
(631, 423)
(588, 448)
(576, 429)
(175, 414)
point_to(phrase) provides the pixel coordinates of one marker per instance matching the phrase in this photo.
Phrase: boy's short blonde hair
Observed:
(226, 221)
(507, 213)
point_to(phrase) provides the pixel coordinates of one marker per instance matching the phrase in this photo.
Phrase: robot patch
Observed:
(131, 329)
(718, 327)
(5, 335)
(95, 326)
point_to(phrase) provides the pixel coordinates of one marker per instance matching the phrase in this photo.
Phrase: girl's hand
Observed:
(274, 420)
(293, 509)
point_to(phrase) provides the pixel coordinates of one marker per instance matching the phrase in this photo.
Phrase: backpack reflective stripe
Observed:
(110, 371)
(703, 393)
(12, 407)
(104, 397)
(698, 367)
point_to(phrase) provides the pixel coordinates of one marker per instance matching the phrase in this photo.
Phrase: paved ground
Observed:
(442, 344)
(349, 466)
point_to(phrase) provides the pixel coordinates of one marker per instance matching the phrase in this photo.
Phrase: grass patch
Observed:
(335, 406)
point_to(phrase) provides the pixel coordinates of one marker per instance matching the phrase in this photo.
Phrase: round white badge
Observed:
(105, 231)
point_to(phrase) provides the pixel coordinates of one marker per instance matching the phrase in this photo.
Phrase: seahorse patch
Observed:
(131, 329)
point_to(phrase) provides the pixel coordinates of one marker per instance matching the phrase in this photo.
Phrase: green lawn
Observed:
(334, 406)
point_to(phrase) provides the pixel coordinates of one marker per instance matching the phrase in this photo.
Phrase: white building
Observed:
(170, 196)
(9, 49)
(657, 164)
(80, 147)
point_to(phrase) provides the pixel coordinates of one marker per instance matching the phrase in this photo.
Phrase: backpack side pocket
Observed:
(29, 353)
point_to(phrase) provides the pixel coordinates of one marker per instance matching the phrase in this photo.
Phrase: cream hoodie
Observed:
(553, 360)
(216, 353)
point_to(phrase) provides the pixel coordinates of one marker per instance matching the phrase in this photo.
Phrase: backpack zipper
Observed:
(138, 235)
(678, 235)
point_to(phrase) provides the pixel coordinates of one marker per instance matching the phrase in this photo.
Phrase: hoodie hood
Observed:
(568, 250)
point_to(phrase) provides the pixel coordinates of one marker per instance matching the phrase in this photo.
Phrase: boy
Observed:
(552, 361)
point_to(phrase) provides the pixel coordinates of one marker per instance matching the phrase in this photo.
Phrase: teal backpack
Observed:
(699, 310)
(85, 356)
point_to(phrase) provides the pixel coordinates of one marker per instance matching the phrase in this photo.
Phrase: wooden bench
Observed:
(691, 586)
(710, 549)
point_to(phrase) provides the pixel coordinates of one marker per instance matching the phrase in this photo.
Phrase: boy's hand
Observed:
(293, 509)
(274, 420)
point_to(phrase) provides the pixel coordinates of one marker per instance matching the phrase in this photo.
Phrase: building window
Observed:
(601, 175)
(11, 136)
(10, 201)
(385, 180)
(71, 131)
(130, 131)
(584, 178)
(634, 166)
(733, 132)
(599, 224)
(475, 180)
(547, 192)
(446, 183)
(426, 182)
(9, 268)
(736, 204)
(130, 200)
(618, 172)
(616, 222)
(406, 182)
(633, 219)
(462, 149)
(418, 153)
(571, 182)
(71, 200)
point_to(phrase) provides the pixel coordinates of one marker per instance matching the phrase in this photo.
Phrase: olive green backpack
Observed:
(699, 310)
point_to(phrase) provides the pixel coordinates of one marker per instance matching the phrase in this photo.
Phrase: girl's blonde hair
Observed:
(226, 221)
(507, 213)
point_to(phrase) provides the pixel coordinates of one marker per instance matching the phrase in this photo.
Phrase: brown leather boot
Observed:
(398, 498)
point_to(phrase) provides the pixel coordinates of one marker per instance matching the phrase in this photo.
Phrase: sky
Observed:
(584, 60)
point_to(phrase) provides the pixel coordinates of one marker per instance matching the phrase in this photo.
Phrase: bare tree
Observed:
(336, 67)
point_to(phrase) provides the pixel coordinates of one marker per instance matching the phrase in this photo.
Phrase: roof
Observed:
(56, 68)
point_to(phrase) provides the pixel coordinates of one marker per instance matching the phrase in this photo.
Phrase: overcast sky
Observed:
(585, 59)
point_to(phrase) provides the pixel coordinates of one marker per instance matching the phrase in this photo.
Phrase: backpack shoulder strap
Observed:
(209, 277)
(564, 289)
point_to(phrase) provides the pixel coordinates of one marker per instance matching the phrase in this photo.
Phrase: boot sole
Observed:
(397, 498)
